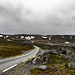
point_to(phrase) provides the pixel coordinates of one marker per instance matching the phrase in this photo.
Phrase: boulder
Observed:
(43, 67)
(71, 64)
(36, 61)
(61, 51)
(53, 52)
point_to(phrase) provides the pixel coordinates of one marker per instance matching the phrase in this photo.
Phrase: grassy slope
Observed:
(60, 69)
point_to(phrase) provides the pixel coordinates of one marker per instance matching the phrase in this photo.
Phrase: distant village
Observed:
(52, 38)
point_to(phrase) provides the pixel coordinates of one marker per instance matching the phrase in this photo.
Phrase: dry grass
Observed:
(9, 50)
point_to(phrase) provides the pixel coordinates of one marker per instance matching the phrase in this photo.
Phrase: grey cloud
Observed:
(11, 19)
(22, 20)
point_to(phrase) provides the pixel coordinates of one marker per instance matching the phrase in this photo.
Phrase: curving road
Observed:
(8, 63)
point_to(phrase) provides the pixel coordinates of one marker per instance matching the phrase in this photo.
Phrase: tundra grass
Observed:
(56, 66)
(11, 50)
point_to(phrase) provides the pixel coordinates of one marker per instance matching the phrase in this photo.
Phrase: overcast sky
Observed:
(37, 16)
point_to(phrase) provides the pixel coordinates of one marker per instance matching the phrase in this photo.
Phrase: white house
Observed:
(32, 37)
(1, 35)
(22, 37)
(28, 38)
(7, 36)
(70, 37)
(44, 37)
(67, 42)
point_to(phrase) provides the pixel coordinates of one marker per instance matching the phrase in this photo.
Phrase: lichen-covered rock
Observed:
(72, 64)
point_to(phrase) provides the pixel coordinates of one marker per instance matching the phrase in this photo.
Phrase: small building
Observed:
(28, 38)
(1, 37)
(22, 37)
(67, 42)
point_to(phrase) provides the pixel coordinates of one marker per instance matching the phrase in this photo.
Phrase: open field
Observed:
(9, 50)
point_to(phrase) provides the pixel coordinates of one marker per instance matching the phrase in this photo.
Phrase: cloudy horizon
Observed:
(37, 17)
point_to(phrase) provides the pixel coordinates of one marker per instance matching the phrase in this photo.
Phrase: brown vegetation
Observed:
(9, 50)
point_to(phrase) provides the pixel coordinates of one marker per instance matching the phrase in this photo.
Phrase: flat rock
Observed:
(43, 67)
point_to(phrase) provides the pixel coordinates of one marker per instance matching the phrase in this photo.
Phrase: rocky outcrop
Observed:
(70, 54)
(67, 51)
